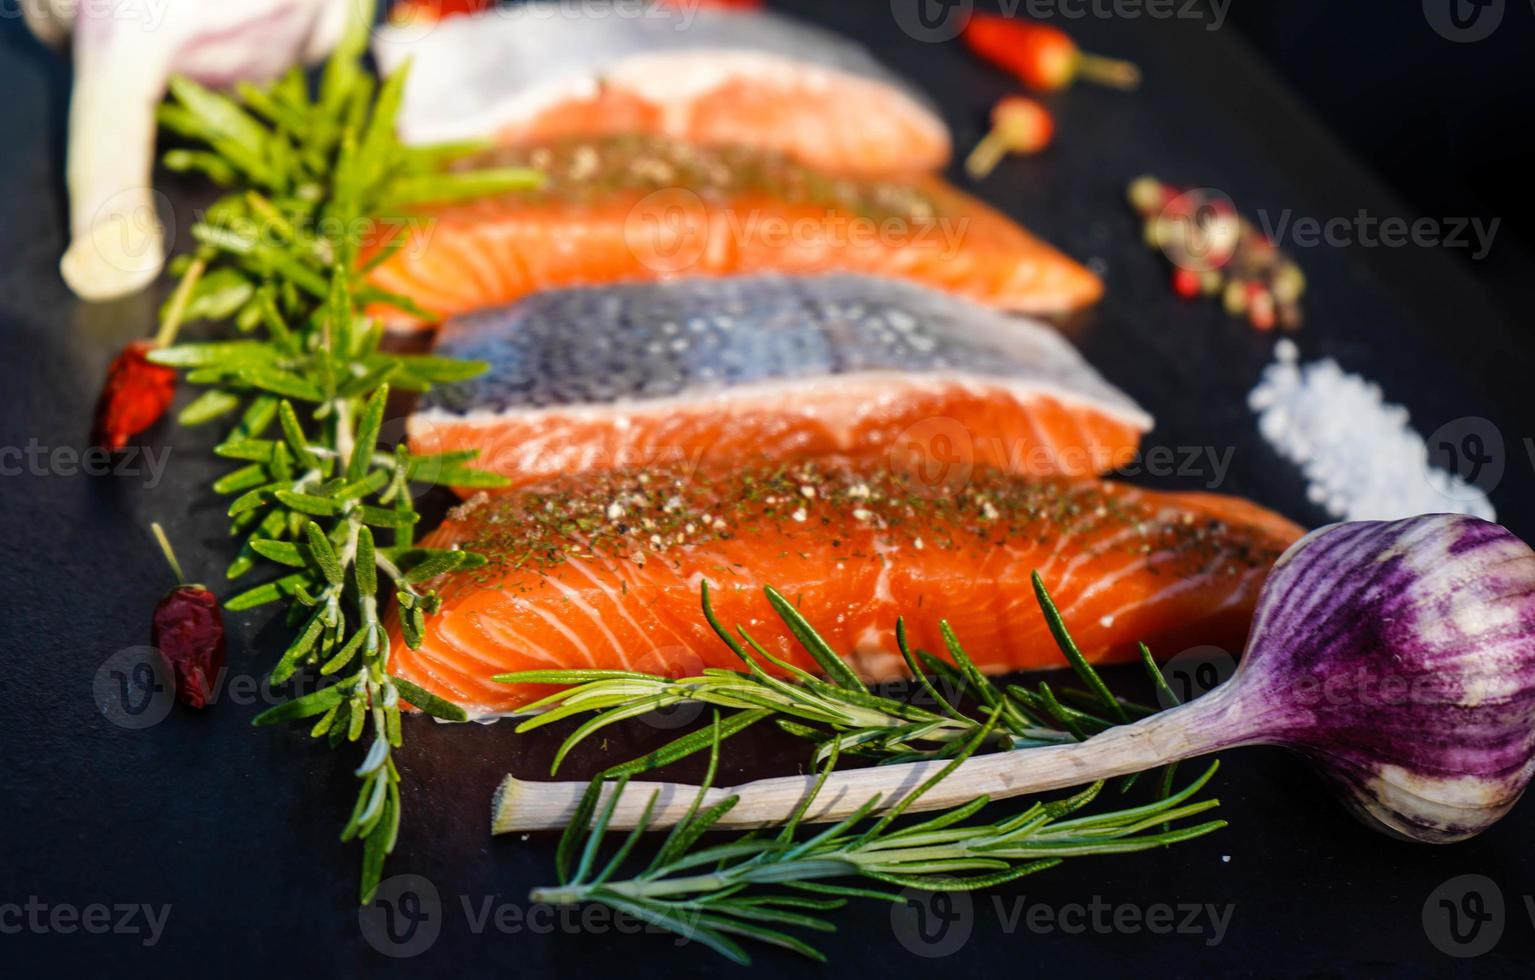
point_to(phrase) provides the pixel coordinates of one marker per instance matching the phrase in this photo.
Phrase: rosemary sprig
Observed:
(839, 713)
(310, 178)
(757, 887)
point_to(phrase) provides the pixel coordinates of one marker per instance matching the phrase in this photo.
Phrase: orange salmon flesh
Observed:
(607, 573)
(633, 208)
(911, 427)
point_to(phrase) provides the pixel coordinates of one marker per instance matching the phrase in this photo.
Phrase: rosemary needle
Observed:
(762, 887)
(837, 714)
(758, 887)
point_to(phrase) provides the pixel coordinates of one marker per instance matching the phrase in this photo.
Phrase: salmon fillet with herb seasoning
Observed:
(632, 208)
(706, 373)
(607, 573)
(528, 73)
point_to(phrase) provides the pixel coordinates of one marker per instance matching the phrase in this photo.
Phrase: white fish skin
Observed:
(472, 75)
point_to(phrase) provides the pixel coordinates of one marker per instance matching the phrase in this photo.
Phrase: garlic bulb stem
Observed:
(117, 244)
(124, 56)
(1198, 728)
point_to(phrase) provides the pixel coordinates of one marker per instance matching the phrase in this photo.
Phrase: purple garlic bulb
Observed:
(1400, 657)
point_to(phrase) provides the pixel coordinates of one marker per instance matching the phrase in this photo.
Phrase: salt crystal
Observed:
(1361, 458)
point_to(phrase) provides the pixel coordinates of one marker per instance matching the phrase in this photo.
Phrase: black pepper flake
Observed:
(533, 532)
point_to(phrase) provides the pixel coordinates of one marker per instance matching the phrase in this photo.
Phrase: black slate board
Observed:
(236, 830)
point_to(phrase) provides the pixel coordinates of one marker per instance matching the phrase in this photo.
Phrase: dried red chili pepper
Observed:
(429, 11)
(1042, 57)
(137, 392)
(188, 630)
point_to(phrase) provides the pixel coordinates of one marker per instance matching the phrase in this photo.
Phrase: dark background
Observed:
(1447, 126)
(1322, 108)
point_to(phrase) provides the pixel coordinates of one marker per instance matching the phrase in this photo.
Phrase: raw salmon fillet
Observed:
(640, 208)
(606, 573)
(707, 373)
(530, 73)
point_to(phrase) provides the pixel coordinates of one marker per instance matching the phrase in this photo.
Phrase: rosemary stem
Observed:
(180, 300)
(168, 552)
(343, 411)
(810, 868)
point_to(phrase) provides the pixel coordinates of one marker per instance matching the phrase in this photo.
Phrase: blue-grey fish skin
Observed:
(631, 343)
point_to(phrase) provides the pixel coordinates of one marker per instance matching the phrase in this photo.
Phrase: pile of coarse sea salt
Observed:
(1361, 459)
